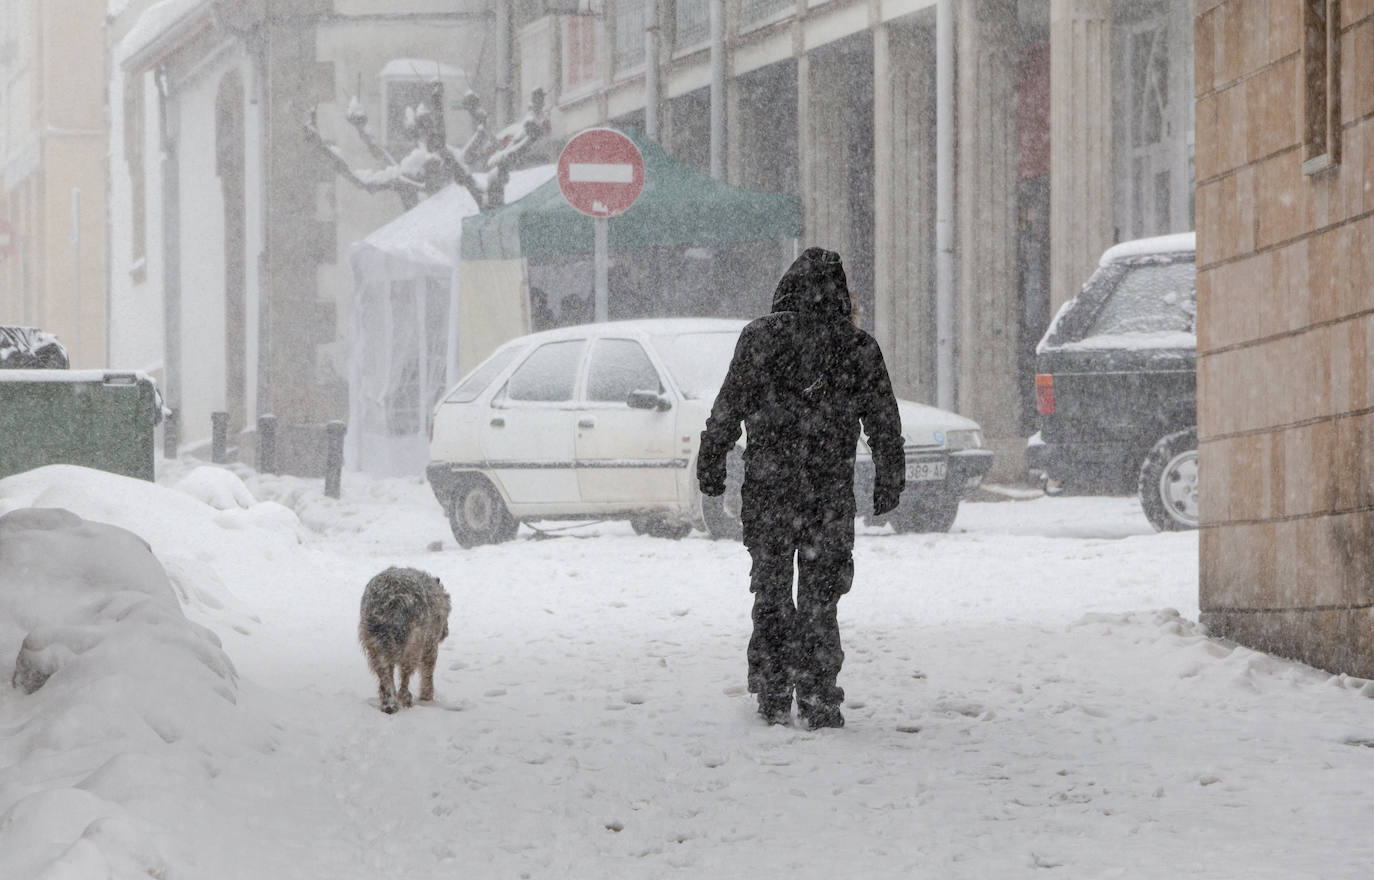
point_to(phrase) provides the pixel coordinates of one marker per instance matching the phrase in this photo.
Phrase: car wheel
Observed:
(477, 515)
(915, 514)
(1168, 482)
(657, 527)
(721, 513)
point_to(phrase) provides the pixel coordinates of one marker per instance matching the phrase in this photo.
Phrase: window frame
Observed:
(592, 353)
(1321, 98)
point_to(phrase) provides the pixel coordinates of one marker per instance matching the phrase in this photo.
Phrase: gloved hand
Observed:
(711, 486)
(885, 499)
(711, 477)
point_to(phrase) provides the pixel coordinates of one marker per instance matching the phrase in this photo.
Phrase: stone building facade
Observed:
(229, 230)
(1071, 123)
(52, 182)
(1285, 222)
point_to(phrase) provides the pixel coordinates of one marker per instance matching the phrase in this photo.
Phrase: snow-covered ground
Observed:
(1029, 695)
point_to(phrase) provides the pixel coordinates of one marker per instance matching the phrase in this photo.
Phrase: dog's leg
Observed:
(386, 683)
(407, 669)
(427, 673)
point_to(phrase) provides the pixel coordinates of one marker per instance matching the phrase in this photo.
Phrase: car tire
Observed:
(657, 527)
(915, 514)
(478, 516)
(721, 513)
(1168, 482)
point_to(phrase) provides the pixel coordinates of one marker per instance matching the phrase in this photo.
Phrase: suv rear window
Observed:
(1151, 298)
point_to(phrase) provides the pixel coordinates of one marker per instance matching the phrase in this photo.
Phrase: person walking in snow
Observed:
(802, 380)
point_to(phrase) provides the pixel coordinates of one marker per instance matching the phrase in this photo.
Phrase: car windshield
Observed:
(1151, 298)
(698, 361)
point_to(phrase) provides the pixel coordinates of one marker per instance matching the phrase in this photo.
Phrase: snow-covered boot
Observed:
(817, 714)
(776, 708)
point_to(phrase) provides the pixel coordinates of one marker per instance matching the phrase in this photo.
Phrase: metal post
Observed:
(651, 65)
(219, 431)
(267, 444)
(333, 462)
(601, 260)
(718, 89)
(171, 434)
(944, 204)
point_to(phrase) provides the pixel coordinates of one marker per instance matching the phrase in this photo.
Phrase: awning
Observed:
(679, 206)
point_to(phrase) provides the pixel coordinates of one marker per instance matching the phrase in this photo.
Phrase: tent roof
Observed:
(679, 206)
(424, 240)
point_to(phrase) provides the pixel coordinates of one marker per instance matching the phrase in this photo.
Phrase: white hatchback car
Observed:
(602, 421)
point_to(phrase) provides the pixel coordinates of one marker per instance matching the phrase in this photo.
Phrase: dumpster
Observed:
(101, 419)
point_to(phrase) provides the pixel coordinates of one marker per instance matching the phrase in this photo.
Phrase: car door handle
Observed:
(586, 423)
(498, 422)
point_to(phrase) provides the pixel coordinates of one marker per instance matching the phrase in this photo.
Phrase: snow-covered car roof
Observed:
(641, 327)
(26, 348)
(1159, 245)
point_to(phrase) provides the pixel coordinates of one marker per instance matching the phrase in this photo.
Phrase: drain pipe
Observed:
(944, 204)
(651, 86)
(718, 89)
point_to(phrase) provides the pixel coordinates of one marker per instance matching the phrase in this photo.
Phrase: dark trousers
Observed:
(797, 644)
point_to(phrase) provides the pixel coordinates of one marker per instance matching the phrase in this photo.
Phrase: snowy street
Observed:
(1029, 695)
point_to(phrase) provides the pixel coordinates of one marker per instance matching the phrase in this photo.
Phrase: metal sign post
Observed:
(601, 173)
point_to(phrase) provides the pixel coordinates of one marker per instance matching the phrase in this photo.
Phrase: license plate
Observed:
(925, 470)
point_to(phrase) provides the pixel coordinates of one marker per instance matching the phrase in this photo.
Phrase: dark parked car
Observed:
(1116, 382)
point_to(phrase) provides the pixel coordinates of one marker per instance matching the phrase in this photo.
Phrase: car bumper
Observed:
(964, 471)
(1075, 462)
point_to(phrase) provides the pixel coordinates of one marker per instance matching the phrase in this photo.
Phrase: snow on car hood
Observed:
(921, 422)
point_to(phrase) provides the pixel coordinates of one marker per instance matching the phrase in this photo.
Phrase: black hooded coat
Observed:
(802, 381)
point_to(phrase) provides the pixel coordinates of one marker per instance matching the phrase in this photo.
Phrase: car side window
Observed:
(1152, 297)
(548, 374)
(477, 381)
(618, 367)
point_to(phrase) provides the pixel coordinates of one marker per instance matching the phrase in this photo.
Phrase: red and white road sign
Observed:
(601, 172)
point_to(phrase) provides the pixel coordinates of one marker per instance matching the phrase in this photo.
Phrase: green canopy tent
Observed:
(679, 206)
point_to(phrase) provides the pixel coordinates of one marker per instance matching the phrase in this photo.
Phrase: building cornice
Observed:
(172, 25)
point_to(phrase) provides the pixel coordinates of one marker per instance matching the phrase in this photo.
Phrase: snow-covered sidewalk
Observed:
(1029, 693)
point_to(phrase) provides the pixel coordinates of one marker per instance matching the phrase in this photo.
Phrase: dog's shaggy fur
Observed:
(404, 618)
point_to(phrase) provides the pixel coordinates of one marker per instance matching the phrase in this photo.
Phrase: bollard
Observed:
(333, 462)
(170, 434)
(267, 444)
(219, 431)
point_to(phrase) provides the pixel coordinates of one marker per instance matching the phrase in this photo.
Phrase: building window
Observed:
(693, 22)
(751, 11)
(629, 33)
(1321, 84)
(580, 57)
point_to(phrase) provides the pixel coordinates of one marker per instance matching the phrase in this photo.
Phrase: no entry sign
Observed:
(601, 172)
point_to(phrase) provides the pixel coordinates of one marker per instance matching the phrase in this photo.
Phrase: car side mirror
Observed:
(648, 400)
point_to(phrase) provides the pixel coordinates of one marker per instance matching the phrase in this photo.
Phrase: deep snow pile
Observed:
(121, 689)
(1026, 693)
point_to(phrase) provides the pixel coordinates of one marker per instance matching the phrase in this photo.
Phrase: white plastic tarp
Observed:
(404, 341)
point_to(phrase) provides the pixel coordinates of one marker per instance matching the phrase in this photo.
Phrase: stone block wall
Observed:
(1285, 331)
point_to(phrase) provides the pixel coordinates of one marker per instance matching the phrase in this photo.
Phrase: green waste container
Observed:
(95, 418)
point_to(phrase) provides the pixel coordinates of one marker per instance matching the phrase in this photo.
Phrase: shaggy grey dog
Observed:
(404, 618)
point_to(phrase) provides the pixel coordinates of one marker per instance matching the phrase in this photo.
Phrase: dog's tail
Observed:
(386, 621)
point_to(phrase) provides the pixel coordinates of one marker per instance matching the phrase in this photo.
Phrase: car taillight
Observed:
(1044, 393)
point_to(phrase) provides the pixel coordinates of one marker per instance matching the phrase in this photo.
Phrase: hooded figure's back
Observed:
(803, 380)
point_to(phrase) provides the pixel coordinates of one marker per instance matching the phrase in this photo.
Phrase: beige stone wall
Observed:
(1285, 328)
(63, 148)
